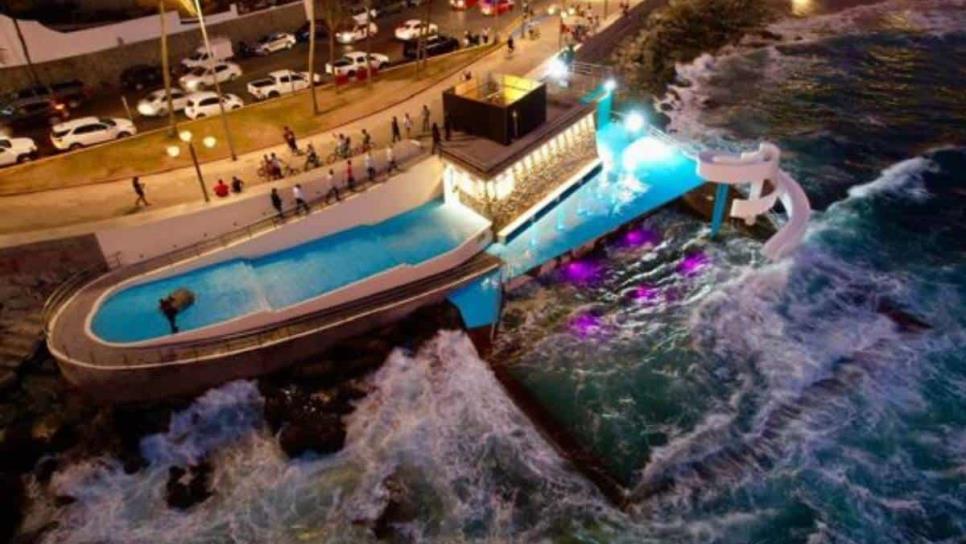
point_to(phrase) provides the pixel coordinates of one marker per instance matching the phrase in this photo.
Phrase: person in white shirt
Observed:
(391, 165)
(300, 203)
(370, 168)
(333, 188)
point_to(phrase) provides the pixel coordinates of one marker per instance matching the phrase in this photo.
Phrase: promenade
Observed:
(81, 210)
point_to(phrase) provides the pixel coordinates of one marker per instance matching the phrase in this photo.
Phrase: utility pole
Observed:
(221, 101)
(310, 13)
(368, 6)
(26, 52)
(166, 70)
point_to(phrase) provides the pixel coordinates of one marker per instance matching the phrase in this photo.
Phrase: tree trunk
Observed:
(311, 15)
(26, 53)
(166, 70)
(221, 101)
(369, 18)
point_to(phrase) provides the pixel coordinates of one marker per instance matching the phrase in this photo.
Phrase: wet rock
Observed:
(8, 380)
(187, 487)
(45, 469)
(11, 505)
(400, 509)
(64, 500)
(903, 319)
(19, 450)
(325, 434)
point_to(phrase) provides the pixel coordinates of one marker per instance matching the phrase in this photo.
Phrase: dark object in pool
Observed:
(176, 302)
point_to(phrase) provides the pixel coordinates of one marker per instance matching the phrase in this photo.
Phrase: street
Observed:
(107, 101)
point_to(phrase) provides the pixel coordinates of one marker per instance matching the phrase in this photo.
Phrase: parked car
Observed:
(435, 45)
(200, 78)
(360, 17)
(205, 104)
(321, 31)
(86, 131)
(71, 93)
(356, 33)
(16, 150)
(33, 111)
(462, 4)
(274, 42)
(352, 62)
(495, 7)
(280, 82)
(220, 50)
(413, 29)
(156, 103)
(142, 76)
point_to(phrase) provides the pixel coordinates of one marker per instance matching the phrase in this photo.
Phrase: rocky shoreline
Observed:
(46, 425)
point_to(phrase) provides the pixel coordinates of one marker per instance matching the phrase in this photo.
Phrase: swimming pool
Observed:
(238, 287)
(641, 173)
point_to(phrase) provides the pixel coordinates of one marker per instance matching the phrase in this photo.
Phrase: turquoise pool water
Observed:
(641, 174)
(234, 288)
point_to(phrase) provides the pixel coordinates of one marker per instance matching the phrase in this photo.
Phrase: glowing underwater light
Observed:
(585, 324)
(610, 85)
(646, 150)
(634, 121)
(693, 263)
(580, 271)
(647, 293)
(558, 69)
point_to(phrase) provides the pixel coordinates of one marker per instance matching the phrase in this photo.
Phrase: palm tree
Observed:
(166, 70)
(368, 7)
(310, 15)
(332, 13)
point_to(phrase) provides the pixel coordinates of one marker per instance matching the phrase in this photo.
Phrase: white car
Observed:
(221, 49)
(413, 28)
(86, 131)
(205, 104)
(277, 41)
(16, 150)
(356, 33)
(360, 17)
(156, 103)
(352, 62)
(280, 82)
(200, 77)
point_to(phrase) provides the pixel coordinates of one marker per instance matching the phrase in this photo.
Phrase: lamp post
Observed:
(175, 150)
(221, 99)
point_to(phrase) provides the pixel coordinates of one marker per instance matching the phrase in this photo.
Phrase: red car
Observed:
(495, 7)
(462, 4)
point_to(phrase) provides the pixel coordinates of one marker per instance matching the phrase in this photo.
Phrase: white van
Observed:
(220, 50)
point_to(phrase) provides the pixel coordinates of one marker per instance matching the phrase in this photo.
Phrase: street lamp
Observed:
(175, 150)
(634, 121)
(221, 100)
(610, 85)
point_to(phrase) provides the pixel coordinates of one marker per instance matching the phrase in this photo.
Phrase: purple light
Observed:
(580, 271)
(640, 237)
(693, 263)
(647, 293)
(585, 324)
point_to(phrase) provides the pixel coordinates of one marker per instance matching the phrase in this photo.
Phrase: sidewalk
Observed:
(81, 210)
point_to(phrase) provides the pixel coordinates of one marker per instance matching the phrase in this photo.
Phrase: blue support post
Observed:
(604, 107)
(717, 216)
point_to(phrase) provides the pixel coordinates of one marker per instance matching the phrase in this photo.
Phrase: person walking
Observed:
(370, 168)
(391, 165)
(300, 203)
(139, 191)
(366, 140)
(236, 184)
(437, 140)
(289, 137)
(276, 167)
(333, 187)
(510, 46)
(408, 124)
(395, 130)
(350, 179)
(426, 115)
(277, 203)
(486, 35)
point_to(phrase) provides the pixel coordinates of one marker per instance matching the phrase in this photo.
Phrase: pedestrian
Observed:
(236, 184)
(312, 158)
(333, 187)
(437, 140)
(509, 44)
(350, 179)
(486, 35)
(139, 190)
(221, 189)
(391, 165)
(467, 75)
(408, 124)
(366, 140)
(425, 118)
(290, 140)
(300, 203)
(395, 130)
(277, 203)
(276, 166)
(448, 127)
(370, 168)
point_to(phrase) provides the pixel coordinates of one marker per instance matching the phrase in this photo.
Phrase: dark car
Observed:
(33, 111)
(435, 45)
(321, 31)
(142, 76)
(71, 93)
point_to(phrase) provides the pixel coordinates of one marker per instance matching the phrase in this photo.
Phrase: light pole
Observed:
(175, 150)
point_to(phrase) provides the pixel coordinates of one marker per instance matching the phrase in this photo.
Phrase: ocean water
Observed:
(817, 399)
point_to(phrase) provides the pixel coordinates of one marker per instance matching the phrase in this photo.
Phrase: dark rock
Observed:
(64, 500)
(19, 450)
(666, 106)
(45, 469)
(188, 487)
(400, 509)
(11, 505)
(903, 319)
(8, 379)
(325, 434)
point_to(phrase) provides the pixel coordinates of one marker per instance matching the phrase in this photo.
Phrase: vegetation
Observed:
(680, 32)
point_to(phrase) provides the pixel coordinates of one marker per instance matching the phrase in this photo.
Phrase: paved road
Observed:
(107, 102)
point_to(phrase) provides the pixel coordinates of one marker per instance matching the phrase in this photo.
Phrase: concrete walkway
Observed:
(81, 210)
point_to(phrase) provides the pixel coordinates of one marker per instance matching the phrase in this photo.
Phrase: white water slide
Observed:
(755, 168)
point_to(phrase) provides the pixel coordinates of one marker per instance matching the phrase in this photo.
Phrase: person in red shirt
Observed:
(222, 189)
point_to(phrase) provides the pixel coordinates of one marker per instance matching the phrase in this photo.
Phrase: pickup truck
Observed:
(220, 50)
(280, 82)
(350, 63)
